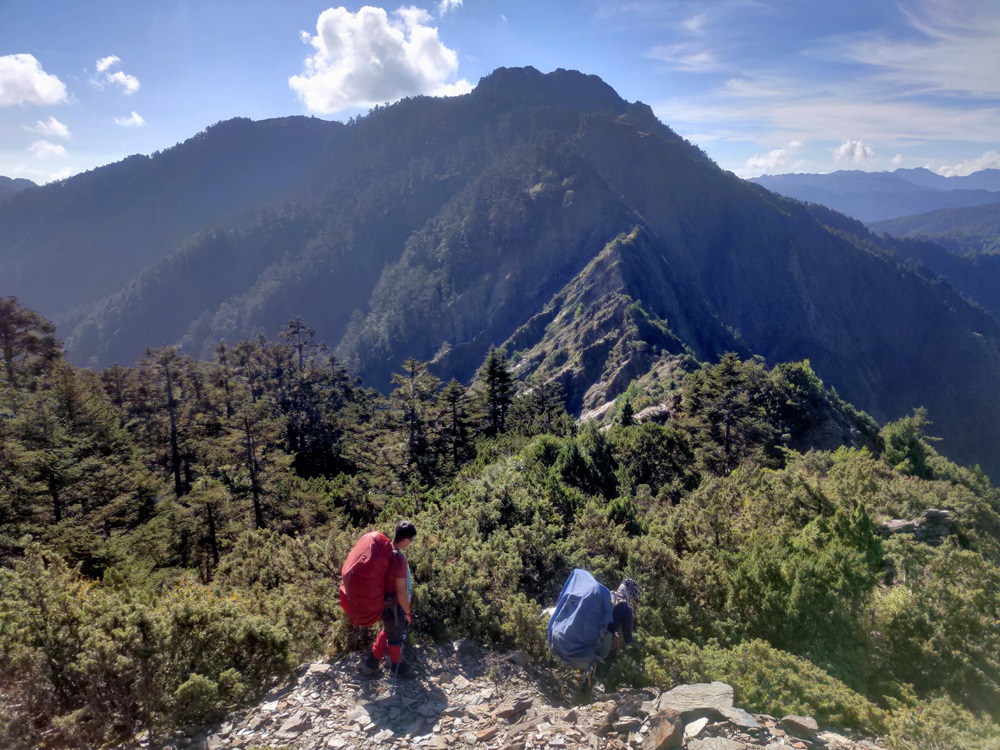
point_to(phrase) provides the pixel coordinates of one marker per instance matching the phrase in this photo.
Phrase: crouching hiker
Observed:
(624, 601)
(397, 615)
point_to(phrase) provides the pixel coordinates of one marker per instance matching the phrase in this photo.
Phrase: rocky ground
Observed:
(465, 697)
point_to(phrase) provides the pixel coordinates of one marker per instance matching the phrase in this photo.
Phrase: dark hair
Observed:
(404, 530)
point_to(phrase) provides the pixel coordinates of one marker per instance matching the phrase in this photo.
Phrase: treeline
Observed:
(171, 534)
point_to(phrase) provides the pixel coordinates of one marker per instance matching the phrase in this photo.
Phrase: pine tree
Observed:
(28, 344)
(497, 381)
(412, 402)
(453, 438)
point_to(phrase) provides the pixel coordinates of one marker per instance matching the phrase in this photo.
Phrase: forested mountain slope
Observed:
(963, 231)
(545, 212)
(74, 242)
(12, 186)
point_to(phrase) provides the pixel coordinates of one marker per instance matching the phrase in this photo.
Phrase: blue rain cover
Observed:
(582, 613)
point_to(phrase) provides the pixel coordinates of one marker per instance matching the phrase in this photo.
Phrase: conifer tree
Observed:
(27, 341)
(453, 437)
(498, 391)
(412, 402)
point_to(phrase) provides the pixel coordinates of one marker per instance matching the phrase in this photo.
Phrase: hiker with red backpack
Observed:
(376, 585)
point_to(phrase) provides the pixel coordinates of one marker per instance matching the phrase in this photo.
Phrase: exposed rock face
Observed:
(465, 699)
(932, 528)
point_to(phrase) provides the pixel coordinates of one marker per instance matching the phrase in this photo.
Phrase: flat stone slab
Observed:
(739, 717)
(686, 699)
(715, 743)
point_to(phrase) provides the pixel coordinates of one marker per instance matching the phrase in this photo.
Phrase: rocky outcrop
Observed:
(932, 528)
(466, 698)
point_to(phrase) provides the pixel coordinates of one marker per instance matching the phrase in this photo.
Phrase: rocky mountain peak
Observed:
(560, 88)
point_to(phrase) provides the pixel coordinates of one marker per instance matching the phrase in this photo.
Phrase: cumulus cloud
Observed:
(46, 149)
(22, 81)
(128, 83)
(779, 159)
(446, 6)
(134, 120)
(107, 62)
(897, 160)
(853, 152)
(989, 160)
(368, 57)
(52, 128)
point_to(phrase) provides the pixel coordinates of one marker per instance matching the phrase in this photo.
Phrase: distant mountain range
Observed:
(878, 196)
(963, 231)
(539, 212)
(12, 186)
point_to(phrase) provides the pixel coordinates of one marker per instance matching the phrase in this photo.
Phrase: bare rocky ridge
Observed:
(465, 697)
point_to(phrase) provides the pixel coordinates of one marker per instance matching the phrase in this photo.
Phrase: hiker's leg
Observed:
(395, 630)
(379, 647)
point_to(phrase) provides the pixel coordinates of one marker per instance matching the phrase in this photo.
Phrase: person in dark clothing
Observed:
(624, 600)
(398, 614)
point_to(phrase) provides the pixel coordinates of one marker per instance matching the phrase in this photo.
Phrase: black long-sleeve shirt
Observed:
(622, 620)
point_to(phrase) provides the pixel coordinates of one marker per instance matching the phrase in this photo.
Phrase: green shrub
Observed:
(939, 724)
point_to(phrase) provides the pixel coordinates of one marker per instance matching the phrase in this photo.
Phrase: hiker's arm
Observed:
(628, 627)
(403, 597)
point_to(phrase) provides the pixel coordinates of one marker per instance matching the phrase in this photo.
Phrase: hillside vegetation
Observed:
(963, 231)
(171, 533)
(540, 212)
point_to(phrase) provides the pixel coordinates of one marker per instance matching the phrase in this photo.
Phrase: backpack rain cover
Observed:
(362, 587)
(582, 613)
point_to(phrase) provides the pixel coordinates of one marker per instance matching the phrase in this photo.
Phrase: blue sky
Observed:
(763, 86)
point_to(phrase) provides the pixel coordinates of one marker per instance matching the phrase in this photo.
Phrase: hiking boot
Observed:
(403, 671)
(371, 666)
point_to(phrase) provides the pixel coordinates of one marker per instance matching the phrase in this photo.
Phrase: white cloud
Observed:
(989, 160)
(367, 58)
(897, 160)
(695, 24)
(106, 62)
(773, 110)
(22, 81)
(687, 56)
(853, 152)
(446, 6)
(46, 149)
(128, 83)
(52, 128)
(134, 120)
(779, 159)
(953, 50)
(60, 174)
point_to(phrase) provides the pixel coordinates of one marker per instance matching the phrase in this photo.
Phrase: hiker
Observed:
(397, 615)
(624, 600)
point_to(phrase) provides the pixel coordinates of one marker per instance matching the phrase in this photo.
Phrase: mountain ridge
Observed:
(436, 228)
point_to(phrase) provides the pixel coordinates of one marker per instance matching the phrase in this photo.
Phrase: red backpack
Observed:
(363, 577)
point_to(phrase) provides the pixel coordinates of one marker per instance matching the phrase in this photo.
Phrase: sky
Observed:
(762, 86)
